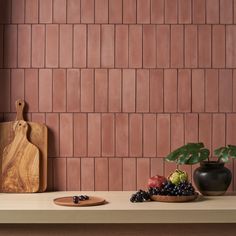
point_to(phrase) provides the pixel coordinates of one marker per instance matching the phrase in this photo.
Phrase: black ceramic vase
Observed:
(212, 178)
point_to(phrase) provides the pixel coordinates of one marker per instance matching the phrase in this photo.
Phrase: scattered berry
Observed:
(75, 199)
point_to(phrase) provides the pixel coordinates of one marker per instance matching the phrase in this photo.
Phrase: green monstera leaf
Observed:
(189, 154)
(224, 153)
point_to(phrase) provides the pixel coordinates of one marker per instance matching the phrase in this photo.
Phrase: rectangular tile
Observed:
(87, 174)
(31, 11)
(94, 135)
(59, 11)
(157, 166)
(1, 45)
(5, 94)
(87, 90)
(143, 172)
(234, 87)
(115, 174)
(101, 11)
(50, 175)
(184, 90)
(143, 11)
(156, 90)
(114, 93)
(135, 46)
(107, 46)
(185, 11)
(73, 174)
(149, 135)
(230, 48)
(177, 131)
(213, 11)
(129, 11)
(157, 11)
(205, 129)
(170, 90)
(59, 90)
(226, 11)
(171, 8)
(199, 11)
(59, 174)
(18, 11)
(101, 174)
(87, 11)
(122, 134)
(5, 11)
(129, 174)
(108, 139)
(128, 90)
(115, 11)
(73, 90)
(66, 135)
(80, 134)
(80, 46)
(73, 11)
(149, 46)
(163, 46)
(191, 128)
(101, 90)
(45, 11)
(38, 117)
(142, 88)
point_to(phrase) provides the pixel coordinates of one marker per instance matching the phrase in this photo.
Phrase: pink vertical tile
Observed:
(230, 46)
(107, 46)
(32, 89)
(50, 175)
(129, 11)
(1, 45)
(114, 93)
(73, 11)
(66, 135)
(115, 174)
(101, 11)
(143, 172)
(156, 90)
(128, 95)
(234, 87)
(115, 11)
(199, 11)
(129, 174)
(45, 11)
(87, 174)
(177, 52)
(211, 90)
(185, 11)
(171, 8)
(65, 46)
(121, 46)
(163, 46)
(73, 174)
(170, 90)
(135, 46)
(225, 90)
(218, 46)
(59, 174)
(38, 43)
(205, 129)
(177, 131)
(59, 90)
(87, 11)
(226, 11)
(45, 90)
(212, 11)
(198, 88)
(101, 90)
(87, 90)
(101, 174)
(38, 117)
(204, 46)
(10, 46)
(80, 135)
(108, 139)
(31, 11)
(142, 88)
(149, 135)
(157, 166)
(218, 131)
(191, 128)
(79, 46)
(59, 11)
(5, 90)
(18, 11)
(157, 11)
(94, 135)
(24, 45)
(17, 86)
(135, 135)
(191, 57)
(149, 46)
(184, 90)
(73, 90)
(121, 133)
(93, 46)
(51, 45)
(143, 11)
(5, 11)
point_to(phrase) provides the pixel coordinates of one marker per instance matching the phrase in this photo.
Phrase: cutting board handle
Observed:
(20, 104)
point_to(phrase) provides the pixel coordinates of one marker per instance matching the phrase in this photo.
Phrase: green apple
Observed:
(178, 176)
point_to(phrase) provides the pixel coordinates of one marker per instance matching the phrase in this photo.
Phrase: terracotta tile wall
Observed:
(120, 83)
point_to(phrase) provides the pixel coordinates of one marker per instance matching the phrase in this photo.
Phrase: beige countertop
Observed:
(39, 208)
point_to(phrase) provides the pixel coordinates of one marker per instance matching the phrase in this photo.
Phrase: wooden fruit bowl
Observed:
(163, 198)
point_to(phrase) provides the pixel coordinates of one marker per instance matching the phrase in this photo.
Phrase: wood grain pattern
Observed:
(20, 163)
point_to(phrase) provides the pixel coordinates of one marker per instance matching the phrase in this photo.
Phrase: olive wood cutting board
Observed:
(37, 134)
(20, 163)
